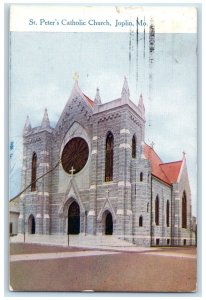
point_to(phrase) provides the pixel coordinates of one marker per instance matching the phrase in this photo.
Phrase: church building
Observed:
(94, 174)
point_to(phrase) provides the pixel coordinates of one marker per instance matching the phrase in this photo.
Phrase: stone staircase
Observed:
(87, 241)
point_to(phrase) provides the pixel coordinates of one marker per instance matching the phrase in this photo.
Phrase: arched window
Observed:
(168, 214)
(109, 157)
(157, 210)
(33, 172)
(134, 146)
(184, 210)
(141, 176)
(140, 221)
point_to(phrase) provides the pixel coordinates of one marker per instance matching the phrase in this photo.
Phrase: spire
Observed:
(183, 155)
(97, 99)
(27, 126)
(141, 105)
(45, 121)
(125, 90)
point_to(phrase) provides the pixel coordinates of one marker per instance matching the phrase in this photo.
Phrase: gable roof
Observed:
(167, 172)
(172, 170)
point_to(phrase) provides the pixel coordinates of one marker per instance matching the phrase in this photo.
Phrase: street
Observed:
(57, 268)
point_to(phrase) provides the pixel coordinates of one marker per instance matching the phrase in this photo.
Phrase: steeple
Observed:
(97, 99)
(27, 126)
(45, 121)
(125, 90)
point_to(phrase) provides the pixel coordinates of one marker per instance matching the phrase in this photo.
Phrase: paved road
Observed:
(166, 270)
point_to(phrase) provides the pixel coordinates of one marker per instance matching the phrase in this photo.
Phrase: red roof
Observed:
(89, 100)
(167, 172)
(172, 170)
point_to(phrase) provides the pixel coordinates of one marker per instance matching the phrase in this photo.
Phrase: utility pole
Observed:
(72, 174)
(85, 222)
(24, 221)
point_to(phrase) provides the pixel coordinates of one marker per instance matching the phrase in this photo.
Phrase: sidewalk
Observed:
(58, 255)
(88, 241)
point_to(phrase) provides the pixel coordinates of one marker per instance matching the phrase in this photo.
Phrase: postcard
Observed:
(103, 151)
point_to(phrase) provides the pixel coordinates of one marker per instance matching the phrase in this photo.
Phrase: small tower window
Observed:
(168, 214)
(33, 172)
(141, 176)
(109, 157)
(157, 210)
(134, 144)
(140, 221)
(148, 207)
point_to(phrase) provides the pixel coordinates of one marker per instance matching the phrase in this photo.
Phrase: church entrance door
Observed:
(108, 224)
(32, 225)
(74, 219)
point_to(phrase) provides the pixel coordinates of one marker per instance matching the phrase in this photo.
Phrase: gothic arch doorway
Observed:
(108, 223)
(73, 218)
(31, 225)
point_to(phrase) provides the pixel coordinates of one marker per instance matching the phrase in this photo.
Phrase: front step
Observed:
(90, 241)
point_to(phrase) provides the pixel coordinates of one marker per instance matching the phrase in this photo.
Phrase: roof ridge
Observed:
(172, 162)
(154, 152)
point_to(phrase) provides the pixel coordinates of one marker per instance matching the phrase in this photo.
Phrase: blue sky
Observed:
(42, 66)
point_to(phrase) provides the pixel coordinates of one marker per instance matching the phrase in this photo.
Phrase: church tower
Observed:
(35, 203)
(118, 132)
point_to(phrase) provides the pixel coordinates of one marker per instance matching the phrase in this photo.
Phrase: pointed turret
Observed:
(125, 90)
(141, 103)
(183, 155)
(45, 121)
(141, 106)
(97, 99)
(27, 126)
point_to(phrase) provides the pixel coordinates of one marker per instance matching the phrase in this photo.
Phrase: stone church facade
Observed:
(94, 174)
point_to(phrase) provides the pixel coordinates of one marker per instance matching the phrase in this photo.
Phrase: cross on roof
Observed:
(72, 171)
(76, 76)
